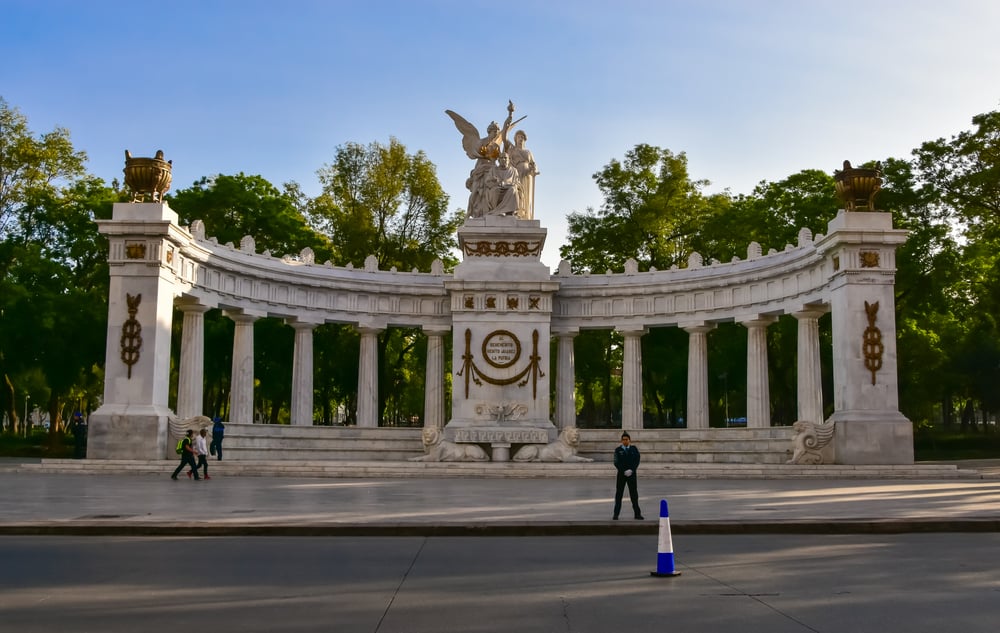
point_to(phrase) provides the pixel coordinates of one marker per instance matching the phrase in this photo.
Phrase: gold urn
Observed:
(147, 176)
(857, 187)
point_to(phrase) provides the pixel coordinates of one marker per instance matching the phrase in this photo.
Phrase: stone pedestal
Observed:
(501, 302)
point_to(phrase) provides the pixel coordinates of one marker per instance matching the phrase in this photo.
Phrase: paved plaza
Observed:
(154, 504)
(103, 553)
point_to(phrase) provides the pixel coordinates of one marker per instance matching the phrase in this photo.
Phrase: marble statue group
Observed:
(502, 182)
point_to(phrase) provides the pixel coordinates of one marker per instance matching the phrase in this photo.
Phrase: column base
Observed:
(129, 432)
(872, 438)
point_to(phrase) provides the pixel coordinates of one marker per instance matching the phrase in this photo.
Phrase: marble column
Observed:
(434, 377)
(809, 370)
(697, 387)
(632, 379)
(758, 390)
(241, 376)
(565, 378)
(368, 414)
(302, 374)
(191, 372)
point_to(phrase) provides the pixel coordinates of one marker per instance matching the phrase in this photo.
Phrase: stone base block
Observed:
(129, 433)
(872, 437)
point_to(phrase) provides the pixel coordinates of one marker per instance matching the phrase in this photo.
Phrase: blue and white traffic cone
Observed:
(665, 546)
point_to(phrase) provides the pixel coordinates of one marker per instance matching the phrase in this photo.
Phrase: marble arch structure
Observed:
(502, 307)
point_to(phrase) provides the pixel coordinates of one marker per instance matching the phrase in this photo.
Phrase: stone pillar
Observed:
(241, 375)
(368, 413)
(302, 374)
(758, 389)
(632, 379)
(861, 252)
(434, 377)
(809, 370)
(565, 378)
(191, 373)
(132, 421)
(697, 387)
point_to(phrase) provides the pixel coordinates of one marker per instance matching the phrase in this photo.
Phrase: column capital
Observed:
(811, 311)
(435, 329)
(632, 330)
(301, 325)
(759, 320)
(239, 316)
(565, 331)
(190, 304)
(698, 328)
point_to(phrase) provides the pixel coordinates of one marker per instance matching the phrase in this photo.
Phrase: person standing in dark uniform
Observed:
(627, 463)
(79, 436)
(218, 434)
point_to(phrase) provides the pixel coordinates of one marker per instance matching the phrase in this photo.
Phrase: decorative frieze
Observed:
(500, 248)
(485, 434)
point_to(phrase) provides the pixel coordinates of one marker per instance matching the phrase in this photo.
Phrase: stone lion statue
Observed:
(562, 450)
(441, 450)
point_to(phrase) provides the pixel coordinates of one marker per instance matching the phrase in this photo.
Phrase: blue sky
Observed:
(750, 90)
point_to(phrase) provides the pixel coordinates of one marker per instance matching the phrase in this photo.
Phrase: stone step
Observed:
(388, 469)
(263, 442)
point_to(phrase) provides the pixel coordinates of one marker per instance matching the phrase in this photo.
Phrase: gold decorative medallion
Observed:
(869, 259)
(135, 250)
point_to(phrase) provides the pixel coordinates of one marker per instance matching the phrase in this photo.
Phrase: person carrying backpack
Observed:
(186, 451)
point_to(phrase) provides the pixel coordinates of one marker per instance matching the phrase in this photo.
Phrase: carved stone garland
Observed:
(533, 371)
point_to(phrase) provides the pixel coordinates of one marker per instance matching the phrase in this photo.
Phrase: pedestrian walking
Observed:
(186, 451)
(201, 451)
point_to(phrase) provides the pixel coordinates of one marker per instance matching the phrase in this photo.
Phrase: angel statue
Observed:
(493, 189)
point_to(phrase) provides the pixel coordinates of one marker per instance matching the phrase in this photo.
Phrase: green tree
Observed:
(651, 212)
(233, 207)
(771, 215)
(380, 200)
(53, 270)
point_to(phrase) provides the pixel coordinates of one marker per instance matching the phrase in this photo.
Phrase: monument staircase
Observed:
(352, 452)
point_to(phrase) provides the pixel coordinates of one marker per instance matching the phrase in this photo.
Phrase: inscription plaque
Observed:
(501, 349)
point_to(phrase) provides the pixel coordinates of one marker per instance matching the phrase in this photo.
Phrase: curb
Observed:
(597, 528)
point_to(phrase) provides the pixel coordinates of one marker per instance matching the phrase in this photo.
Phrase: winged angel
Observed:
(494, 188)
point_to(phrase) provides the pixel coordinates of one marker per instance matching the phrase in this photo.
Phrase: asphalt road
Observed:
(749, 583)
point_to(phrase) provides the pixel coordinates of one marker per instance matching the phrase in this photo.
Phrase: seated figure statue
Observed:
(503, 188)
